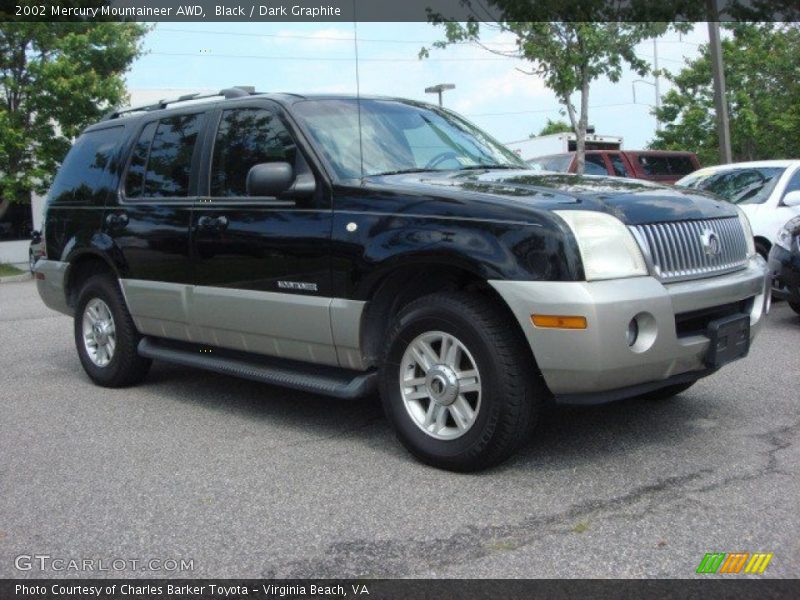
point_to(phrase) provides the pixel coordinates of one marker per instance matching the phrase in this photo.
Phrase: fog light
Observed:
(633, 332)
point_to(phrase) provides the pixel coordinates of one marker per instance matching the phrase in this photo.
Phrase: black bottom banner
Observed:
(385, 589)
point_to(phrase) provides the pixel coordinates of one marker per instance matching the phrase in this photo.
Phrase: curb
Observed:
(15, 278)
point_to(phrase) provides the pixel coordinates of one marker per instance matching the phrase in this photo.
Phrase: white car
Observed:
(768, 191)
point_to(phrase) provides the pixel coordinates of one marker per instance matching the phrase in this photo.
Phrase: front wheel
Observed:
(458, 382)
(795, 306)
(105, 336)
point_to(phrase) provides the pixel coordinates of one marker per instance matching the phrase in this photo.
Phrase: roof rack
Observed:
(227, 93)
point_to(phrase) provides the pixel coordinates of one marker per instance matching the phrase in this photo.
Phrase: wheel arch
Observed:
(761, 241)
(404, 283)
(82, 265)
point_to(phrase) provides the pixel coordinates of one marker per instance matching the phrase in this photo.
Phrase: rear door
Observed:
(261, 264)
(149, 223)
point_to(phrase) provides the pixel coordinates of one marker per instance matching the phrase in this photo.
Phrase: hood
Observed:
(633, 201)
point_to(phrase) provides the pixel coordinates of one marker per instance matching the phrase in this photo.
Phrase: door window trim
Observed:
(195, 164)
(204, 197)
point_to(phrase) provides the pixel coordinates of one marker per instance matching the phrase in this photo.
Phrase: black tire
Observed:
(763, 250)
(795, 306)
(511, 389)
(126, 367)
(668, 392)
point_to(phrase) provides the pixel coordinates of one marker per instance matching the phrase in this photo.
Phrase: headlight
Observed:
(787, 233)
(748, 233)
(608, 248)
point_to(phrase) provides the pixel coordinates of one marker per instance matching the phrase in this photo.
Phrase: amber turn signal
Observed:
(559, 321)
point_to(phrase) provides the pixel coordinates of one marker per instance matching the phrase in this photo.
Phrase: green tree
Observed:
(551, 127)
(763, 94)
(568, 56)
(55, 79)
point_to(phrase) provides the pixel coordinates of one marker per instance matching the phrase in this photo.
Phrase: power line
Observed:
(327, 58)
(547, 110)
(316, 37)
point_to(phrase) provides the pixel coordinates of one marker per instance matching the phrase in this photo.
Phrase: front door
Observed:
(261, 264)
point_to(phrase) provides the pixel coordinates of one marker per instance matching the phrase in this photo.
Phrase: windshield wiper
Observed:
(474, 167)
(401, 172)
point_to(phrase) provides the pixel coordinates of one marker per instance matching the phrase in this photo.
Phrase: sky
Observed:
(491, 91)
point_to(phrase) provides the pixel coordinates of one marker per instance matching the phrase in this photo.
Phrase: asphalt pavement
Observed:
(240, 479)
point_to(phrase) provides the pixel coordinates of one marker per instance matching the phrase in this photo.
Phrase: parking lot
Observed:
(248, 480)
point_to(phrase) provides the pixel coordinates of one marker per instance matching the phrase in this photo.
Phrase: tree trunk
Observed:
(4, 205)
(573, 119)
(583, 124)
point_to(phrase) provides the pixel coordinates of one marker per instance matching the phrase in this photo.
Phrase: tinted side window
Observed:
(247, 137)
(86, 176)
(170, 161)
(654, 164)
(134, 181)
(618, 165)
(595, 165)
(680, 165)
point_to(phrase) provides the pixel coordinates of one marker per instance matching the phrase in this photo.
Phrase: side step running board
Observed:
(329, 381)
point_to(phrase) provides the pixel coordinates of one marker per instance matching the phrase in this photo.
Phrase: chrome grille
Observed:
(677, 252)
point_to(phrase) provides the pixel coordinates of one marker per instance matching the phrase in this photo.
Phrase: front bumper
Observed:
(784, 267)
(596, 364)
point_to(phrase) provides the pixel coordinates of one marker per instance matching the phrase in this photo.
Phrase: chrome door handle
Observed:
(212, 223)
(116, 220)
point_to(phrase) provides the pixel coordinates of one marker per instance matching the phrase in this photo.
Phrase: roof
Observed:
(751, 164)
(233, 93)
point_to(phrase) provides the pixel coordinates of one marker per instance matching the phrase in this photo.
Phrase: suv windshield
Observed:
(398, 137)
(751, 185)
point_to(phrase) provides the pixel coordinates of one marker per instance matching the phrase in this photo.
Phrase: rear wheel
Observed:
(795, 306)
(105, 336)
(458, 382)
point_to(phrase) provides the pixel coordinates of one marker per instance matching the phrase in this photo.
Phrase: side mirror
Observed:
(269, 179)
(792, 199)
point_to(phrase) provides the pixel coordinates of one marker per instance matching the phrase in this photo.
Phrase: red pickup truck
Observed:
(664, 166)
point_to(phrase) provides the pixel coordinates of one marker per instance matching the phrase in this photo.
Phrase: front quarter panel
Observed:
(370, 241)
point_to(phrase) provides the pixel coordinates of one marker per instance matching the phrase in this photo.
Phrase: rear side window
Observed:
(87, 173)
(247, 137)
(162, 158)
(654, 164)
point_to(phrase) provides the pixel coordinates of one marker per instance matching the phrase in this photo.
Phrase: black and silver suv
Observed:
(340, 245)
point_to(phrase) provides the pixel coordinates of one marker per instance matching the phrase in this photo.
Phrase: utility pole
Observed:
(438, 89)
(715, 47)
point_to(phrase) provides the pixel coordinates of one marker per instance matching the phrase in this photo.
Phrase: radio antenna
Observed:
(358, 95)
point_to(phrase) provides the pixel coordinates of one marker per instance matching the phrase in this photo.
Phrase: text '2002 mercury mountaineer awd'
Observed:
(340, 245)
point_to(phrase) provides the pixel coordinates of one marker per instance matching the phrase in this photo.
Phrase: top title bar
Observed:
(401, 11)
